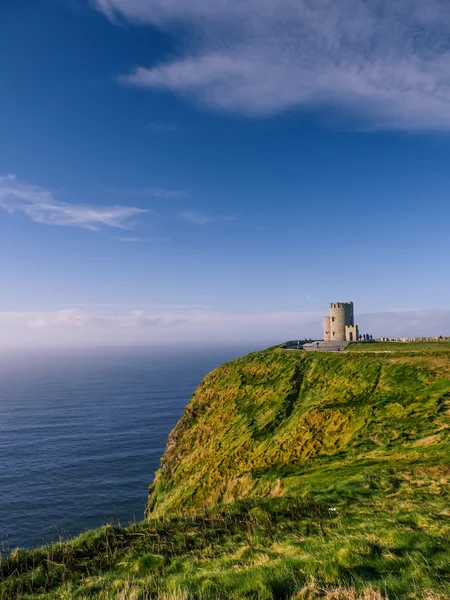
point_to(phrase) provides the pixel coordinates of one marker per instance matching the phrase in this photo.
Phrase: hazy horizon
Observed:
(76, 330)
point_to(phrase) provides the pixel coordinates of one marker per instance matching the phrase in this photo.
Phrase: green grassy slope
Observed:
(286, 422)
(296, 475)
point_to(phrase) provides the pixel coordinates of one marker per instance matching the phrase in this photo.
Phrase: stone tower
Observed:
(340, 325)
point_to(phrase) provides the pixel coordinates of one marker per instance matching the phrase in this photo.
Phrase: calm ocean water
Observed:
(82, 432)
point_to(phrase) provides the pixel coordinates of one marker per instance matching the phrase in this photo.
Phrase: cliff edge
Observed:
(281, 422)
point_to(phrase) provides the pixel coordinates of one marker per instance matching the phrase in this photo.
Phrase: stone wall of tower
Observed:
(341, 316)
(326, 329)
(351, 333)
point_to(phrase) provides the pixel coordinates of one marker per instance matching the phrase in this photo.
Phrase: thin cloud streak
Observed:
(41, 206)
(133, 240)
(152, 192)
(385, 60)
(198, 218)
(76, 318)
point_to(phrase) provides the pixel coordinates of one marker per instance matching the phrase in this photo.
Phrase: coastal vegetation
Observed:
(402, 347)
(291, 475)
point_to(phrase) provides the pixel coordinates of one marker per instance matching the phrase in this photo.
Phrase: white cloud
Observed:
(76, 318)
(384, 59)
(194, 217)
(42, 207)
(198, 218)
(152, 192)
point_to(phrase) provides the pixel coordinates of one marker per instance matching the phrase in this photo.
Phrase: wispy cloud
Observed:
(77, 318)
(199, 218)
(386, 60)
(164, 193)
(194, 217)
(42, 207)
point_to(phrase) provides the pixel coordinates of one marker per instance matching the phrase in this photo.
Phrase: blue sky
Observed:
(220, 171)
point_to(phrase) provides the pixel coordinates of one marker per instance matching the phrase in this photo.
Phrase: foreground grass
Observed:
(391, 542)
(291, 476)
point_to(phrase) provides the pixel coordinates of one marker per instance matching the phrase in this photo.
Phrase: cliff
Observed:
(283, 422)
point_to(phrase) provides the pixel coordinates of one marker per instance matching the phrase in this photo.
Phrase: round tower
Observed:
(341, 315)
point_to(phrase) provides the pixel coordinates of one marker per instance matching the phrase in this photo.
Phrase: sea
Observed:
(82, 433)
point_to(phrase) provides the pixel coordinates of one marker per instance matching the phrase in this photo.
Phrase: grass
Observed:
(261, 549)
(293, 417)
(290, 476)
(415, 347)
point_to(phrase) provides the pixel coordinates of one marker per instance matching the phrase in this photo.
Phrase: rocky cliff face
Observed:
(283, 422)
